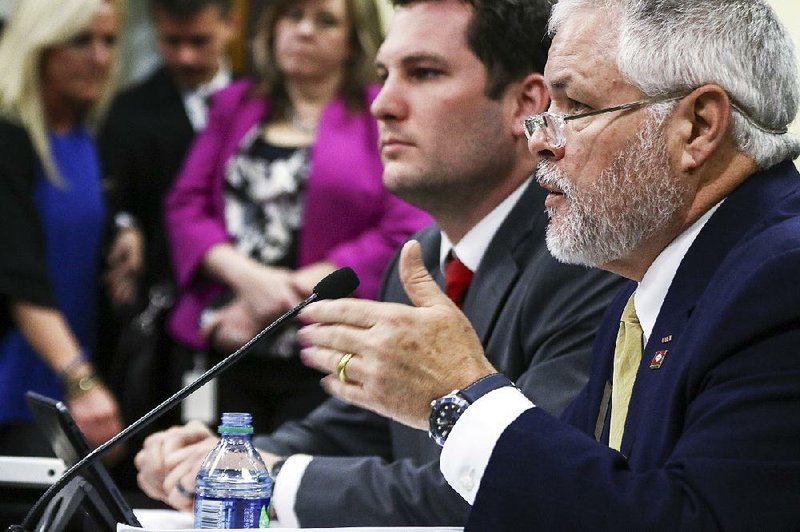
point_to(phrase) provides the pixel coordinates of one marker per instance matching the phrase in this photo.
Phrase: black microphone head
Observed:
(340, 283)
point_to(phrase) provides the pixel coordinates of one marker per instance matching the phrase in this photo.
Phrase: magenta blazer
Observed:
(349, 217)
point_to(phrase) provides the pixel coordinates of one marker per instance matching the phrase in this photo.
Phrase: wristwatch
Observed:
(446, 410)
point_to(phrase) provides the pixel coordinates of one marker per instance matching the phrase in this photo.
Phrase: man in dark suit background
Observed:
(148, 130)
(691, 417)
(143, 140)
(458, 78)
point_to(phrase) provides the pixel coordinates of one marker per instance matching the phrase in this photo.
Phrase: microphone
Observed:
(340, 283)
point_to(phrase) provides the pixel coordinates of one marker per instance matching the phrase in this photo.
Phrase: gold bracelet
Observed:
(78, 386)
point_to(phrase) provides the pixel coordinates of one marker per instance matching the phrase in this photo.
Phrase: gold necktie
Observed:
(627, 356)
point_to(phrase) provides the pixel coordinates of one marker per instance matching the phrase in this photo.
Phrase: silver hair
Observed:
(668, 46)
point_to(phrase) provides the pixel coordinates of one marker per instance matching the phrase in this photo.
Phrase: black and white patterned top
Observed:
(264, 197)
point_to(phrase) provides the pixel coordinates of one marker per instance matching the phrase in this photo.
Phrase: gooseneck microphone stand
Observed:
(338, 284)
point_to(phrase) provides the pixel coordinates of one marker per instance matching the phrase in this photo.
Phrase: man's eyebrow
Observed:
(414, 59)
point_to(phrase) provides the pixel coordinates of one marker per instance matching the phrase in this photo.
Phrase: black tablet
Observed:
(70, 445)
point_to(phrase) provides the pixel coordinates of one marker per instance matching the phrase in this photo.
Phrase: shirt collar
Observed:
(652, 290)
(471, 248)
(195, 100)
(220, 80)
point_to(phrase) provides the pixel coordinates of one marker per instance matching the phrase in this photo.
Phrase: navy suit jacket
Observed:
(712, 438)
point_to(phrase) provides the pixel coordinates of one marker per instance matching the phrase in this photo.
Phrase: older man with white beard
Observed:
(627, 202)
(667, 160)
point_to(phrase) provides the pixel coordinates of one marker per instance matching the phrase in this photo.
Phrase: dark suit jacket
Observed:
(536, 319)
(143, 142)
(713, 436)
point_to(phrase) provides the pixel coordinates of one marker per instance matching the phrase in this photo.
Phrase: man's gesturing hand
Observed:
(403, 356)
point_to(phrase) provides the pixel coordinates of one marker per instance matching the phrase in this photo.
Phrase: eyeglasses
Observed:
(554, 124)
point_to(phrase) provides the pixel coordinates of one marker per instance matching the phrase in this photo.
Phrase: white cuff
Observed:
(284, 493)
(469, 446)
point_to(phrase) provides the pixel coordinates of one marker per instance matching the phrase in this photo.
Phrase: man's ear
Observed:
(530, 98)
(701, 120)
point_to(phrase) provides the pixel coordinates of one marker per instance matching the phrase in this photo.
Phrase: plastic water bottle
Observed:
(233, 486)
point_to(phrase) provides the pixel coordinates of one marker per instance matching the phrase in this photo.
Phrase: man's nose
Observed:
(388, 104)
(539, 145)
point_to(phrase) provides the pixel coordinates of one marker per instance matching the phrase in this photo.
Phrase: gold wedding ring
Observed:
(341, 367)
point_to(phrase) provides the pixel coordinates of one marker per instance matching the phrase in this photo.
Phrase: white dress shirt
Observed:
(195, 101)
(469, 446)
(470, 251)
(471, 248)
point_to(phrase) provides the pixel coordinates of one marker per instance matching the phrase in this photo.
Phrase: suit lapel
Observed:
(431, 247)
(739, 214)
(171, 102)
(503, 261)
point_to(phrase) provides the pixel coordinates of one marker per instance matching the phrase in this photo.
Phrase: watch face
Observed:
(444, 414)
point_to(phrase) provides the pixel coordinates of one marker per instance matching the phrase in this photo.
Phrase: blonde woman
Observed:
(57, 58)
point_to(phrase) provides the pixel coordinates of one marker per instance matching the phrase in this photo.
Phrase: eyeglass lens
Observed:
(550, 124)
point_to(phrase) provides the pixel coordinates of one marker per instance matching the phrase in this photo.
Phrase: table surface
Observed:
(169, 521)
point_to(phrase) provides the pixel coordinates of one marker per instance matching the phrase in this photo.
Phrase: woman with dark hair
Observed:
(57, 59)
(283, 187)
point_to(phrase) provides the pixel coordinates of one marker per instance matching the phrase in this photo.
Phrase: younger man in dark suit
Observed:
(458, 78)
(666, 158)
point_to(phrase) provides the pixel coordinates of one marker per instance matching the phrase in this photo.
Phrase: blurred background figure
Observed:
(57, 72)
(149, 129)
(282, 187)
(143, 142)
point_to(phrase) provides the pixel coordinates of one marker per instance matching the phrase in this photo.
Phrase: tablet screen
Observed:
(70, 445)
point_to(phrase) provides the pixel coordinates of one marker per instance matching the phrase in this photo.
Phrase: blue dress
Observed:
(72, 219)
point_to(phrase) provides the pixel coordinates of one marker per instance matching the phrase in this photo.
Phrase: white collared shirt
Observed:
(470, 251)
(469, 446)
(652, 290)
(195, 101)
(471, 248)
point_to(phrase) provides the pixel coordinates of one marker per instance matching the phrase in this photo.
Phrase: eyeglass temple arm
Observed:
(626, 106)
(672, 96)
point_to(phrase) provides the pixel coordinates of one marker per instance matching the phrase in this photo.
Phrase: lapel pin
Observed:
(658, 359)
(666, 339)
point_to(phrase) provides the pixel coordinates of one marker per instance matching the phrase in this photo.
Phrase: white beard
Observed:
(630, 200)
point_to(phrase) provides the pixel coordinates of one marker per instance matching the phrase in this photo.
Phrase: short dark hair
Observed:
(189, 8)
(508, 36)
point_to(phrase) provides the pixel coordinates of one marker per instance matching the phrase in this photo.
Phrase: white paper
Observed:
(170, 521)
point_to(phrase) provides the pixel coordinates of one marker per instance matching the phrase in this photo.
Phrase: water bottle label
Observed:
(231, 513)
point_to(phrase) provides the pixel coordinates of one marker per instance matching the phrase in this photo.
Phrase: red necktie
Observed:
(457, 278)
